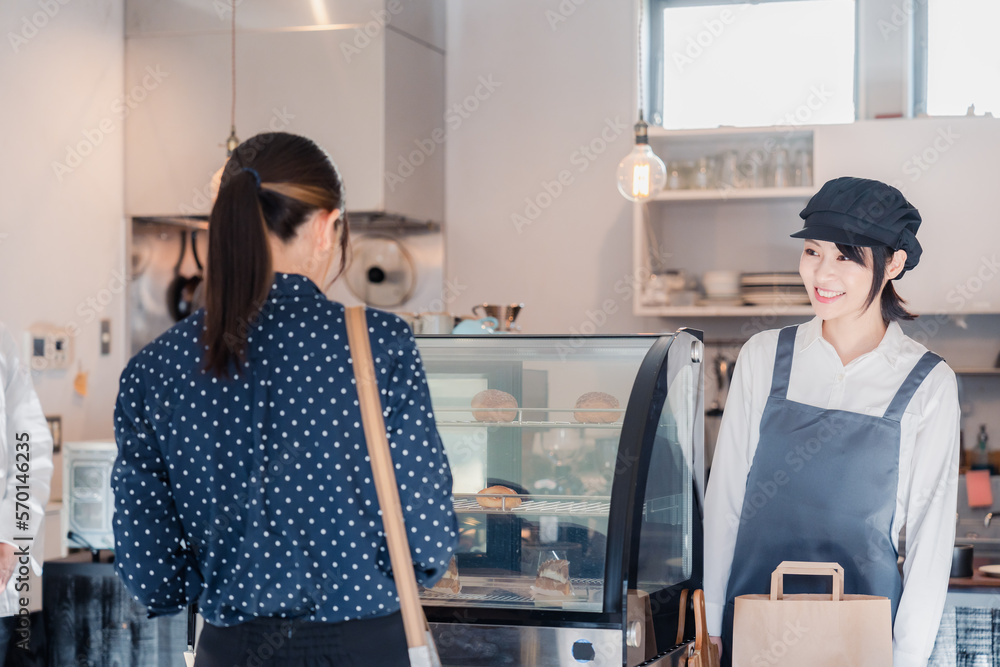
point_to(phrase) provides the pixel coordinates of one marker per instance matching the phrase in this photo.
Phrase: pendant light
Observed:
(232, 142)
(641, 174)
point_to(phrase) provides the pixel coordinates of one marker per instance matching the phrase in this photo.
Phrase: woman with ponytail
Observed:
(242, 481)
(840, 433)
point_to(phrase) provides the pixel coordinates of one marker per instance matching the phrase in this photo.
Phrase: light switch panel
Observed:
(105, 337)
(48, 347)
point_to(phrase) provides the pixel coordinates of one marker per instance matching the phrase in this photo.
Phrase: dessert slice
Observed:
(449, 583)
(553, 575)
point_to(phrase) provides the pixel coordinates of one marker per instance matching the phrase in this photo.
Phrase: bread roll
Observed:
(493, 405)
(553, 575)
(492, 502)
(596, 400)
(449, 583)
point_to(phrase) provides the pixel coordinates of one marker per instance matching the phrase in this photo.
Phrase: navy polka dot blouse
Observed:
(254, 495)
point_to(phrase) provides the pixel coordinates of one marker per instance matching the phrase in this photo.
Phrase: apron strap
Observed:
(783, 362)
(910, 385)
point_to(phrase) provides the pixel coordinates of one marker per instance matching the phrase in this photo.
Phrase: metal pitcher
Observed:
(505, 315)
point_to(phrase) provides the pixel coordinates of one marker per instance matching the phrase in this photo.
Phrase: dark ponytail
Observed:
(891, 304)
(272, 184)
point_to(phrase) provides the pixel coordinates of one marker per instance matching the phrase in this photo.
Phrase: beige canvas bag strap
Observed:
(418, 638)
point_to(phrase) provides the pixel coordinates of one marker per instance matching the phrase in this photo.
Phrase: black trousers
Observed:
(278, 642)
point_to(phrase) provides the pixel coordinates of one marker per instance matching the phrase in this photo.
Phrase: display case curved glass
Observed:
(578, 467)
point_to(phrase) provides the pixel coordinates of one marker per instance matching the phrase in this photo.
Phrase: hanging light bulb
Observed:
(641, 174)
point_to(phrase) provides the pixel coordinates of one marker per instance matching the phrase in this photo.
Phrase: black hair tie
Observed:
(253, 172)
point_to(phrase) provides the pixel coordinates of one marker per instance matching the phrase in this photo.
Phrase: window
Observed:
(963, 56)
(752, 64)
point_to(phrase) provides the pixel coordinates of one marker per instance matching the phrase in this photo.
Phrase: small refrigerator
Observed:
(578, 491)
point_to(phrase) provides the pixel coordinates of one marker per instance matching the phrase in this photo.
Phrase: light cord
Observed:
(639, 50)
(232, 113)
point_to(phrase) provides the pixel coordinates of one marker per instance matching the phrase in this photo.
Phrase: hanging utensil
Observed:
(190, 293)
(175, 286)
(723, 374)
(181, 292)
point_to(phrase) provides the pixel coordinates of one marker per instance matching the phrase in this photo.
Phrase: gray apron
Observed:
(822, 487)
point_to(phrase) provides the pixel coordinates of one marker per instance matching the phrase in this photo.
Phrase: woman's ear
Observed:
(896, 264)
(324, 228)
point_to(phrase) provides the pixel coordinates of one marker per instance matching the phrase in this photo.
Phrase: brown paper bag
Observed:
(815, 630)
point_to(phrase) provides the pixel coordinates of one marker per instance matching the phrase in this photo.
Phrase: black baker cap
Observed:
(863, 212)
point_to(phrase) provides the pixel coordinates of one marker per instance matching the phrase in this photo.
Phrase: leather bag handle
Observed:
(834, 570)
(414, 621)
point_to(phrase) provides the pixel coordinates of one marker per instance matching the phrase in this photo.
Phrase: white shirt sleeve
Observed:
(930, 523)
(727, 486)
(27, 453)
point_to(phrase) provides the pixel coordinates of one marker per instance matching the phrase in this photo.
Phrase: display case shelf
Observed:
(516, 591)
(520, 422)
(551, 506)
(517, 423)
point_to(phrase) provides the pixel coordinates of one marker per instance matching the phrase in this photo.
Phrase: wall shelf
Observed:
(735, 194)
(714, 208)
(723, 311)
(787, 132)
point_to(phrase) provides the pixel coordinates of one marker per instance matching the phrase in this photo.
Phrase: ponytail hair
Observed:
(891, 304)
(271, 185)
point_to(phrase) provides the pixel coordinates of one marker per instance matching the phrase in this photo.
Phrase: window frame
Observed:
(654, 63)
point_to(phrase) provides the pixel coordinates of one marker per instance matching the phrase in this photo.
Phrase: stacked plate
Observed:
(773, 289)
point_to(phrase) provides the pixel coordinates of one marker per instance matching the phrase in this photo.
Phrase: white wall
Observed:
(62, 234)
(562, 83)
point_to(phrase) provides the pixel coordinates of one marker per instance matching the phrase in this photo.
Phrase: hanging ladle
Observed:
(181, 292)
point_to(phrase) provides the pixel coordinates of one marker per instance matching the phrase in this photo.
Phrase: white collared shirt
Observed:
(926, 494)
(25, 440)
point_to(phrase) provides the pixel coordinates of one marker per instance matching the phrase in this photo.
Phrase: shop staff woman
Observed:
(841, 432)
(242, 479)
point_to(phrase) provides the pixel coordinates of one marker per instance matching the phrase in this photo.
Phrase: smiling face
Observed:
(838, 287)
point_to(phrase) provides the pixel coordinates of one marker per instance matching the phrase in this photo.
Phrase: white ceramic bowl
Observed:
(721, 283)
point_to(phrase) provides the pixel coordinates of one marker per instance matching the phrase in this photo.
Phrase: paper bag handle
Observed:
(682, 617)
(804, 567)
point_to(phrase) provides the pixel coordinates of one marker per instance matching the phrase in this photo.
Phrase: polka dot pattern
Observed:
(254, 494)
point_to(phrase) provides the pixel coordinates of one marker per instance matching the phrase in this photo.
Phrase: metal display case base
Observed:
(467, 645)
(675, 657)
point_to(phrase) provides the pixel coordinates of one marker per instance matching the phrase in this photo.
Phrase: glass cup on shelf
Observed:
(780, 172)
(750, 168)
(704, 176)
(687, 173)
(802, 176)
(674, 175)
(729, 176)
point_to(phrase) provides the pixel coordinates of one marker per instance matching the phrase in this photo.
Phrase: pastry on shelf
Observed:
(493, 405)
(492, 501)
(596, 400)
(553, 577)
(449, 583)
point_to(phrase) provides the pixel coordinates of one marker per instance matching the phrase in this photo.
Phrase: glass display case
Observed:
(578, 467)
